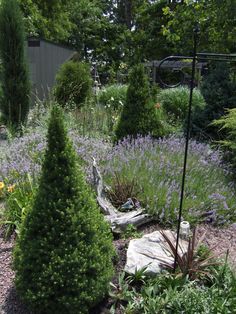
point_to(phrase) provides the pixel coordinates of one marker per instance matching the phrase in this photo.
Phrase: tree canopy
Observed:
(121, 31)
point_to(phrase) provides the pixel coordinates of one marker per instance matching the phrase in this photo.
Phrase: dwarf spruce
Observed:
(139, 114)
(63, 254)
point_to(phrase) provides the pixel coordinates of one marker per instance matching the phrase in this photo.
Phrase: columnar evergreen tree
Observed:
(139, 114)
(15, 83)
(63, 254)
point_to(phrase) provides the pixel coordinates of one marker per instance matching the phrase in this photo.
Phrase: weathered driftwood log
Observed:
(118, 220)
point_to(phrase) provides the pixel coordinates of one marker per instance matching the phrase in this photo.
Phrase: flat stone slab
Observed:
(151, 251)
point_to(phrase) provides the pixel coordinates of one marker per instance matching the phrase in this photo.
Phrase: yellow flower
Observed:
(1, 185)
(10, 188)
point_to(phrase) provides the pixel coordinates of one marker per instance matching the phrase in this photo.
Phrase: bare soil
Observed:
(220, 239)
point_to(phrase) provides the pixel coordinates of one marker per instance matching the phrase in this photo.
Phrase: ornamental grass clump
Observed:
(63, 254)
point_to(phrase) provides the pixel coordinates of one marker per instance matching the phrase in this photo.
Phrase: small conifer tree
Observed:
(63, 254)
(15, 81)
(138, 115)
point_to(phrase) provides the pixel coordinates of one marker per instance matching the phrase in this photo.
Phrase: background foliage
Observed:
(115, 31)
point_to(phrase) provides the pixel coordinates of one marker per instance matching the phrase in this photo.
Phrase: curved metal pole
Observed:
(179, 70)
(231, 58)
(196, 32)
(200, 57)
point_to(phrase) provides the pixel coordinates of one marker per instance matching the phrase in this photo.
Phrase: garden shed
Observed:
(44, 59)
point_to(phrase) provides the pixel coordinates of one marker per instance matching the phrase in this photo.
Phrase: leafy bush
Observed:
(175, 102)
(157, 166)
(227, 123)
(73, 84)
(15, 78)
(170, 293)
(219, 91)
(18, 202)
(63, 255)
(113, 96)
(139, 115)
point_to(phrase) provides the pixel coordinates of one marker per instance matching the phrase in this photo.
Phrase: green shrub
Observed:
(168, 293)
(63, 255)
(175, 103)
(219, 91)
(15, 79)
(113, 96)
(139, 115)
(73, 84)
(227, 123)
(18, 201)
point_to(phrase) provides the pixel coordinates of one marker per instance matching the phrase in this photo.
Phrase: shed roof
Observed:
(33, 38)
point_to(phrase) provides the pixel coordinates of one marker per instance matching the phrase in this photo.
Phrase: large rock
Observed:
(151, 251)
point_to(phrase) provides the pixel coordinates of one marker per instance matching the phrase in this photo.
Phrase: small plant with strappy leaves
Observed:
(120, 293)
(122, 190)
(138, 278)
(190, 263)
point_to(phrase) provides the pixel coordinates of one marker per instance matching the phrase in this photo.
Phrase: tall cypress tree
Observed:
(15, 84)
(63, 255)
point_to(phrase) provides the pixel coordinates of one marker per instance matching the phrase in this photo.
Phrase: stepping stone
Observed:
(151, 251)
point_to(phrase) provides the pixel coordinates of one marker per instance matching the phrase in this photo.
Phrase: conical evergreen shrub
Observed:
(63, 254)
(139, 115)
(15, 79)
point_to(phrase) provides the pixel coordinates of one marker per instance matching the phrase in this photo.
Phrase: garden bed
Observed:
(221, 239)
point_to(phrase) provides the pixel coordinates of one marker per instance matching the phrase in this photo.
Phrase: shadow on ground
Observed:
(12, 304)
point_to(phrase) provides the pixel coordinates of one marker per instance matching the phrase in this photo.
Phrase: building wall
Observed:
(44, 59)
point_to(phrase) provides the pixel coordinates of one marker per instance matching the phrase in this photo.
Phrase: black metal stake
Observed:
(196, 31)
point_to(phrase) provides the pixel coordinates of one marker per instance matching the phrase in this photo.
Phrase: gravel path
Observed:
(9, 302)
(220, 239)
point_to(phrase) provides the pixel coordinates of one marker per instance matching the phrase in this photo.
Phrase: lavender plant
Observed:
(25, 155)
(157, 166)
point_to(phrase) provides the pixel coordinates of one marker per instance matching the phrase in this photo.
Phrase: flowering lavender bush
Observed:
(157, 165)
(25, 155)
(23, 160)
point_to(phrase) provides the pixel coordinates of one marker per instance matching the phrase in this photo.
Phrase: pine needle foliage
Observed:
(63, 254)
(139, 113)
(15, 81)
